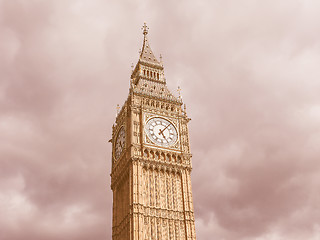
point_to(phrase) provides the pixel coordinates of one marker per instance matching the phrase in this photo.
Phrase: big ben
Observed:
(151, 159)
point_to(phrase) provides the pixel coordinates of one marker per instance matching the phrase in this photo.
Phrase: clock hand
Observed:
(161, 131)
(163, 135)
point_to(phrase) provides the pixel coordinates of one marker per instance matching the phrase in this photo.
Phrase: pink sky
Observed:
(250, 76)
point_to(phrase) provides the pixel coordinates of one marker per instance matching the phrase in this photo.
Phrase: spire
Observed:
(147, 77)
(146, 52)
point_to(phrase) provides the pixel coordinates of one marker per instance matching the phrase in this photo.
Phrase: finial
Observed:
(161, 59)
(132, 66)
(118, 109)
(179, 91)
(145, 29)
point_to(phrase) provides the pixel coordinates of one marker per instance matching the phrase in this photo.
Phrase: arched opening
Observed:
(145, 153)
(174, 158)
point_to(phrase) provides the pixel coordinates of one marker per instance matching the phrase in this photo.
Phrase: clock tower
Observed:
(151, 159)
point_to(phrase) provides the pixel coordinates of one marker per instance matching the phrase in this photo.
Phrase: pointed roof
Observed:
(147, 78)
(146, 53)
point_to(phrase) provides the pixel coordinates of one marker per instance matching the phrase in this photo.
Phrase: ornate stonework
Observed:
(150, 178)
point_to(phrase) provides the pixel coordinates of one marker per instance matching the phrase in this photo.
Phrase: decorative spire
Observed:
(146, 53)
(179, 92)
(118, 109)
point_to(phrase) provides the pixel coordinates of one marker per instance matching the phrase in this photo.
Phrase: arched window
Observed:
(145, 153)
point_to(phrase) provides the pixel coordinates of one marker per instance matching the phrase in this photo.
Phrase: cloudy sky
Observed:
(250, 76)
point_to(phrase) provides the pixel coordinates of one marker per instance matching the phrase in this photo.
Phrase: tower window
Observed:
(145, 153)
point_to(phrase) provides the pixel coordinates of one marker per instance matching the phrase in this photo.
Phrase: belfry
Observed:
(151, 159)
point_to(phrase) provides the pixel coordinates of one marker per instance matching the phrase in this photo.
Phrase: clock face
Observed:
(120, 142)
(161, 132)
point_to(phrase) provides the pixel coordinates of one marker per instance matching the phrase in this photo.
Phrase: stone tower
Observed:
(151, 160)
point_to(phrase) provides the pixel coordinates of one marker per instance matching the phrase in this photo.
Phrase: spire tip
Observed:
(145, 28)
